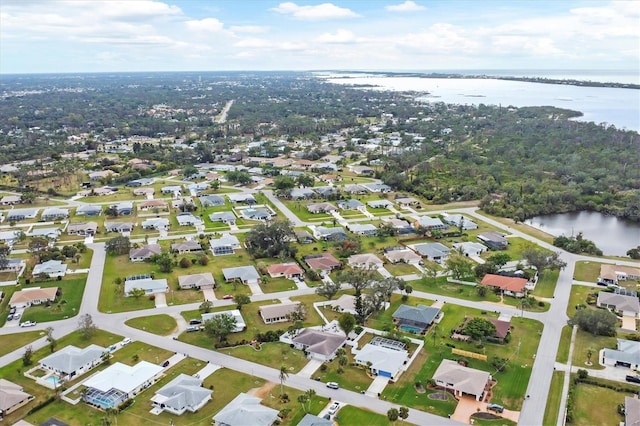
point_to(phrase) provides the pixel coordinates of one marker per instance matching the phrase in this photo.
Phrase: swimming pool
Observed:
(54, 380)
(410, 329)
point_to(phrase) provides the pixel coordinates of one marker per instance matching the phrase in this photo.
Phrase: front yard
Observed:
(162, 324)
(66, 306)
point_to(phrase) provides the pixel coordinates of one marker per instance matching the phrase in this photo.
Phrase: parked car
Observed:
(17, 316)
(333, 385)
(166, 363)
(192, 328)
(495, 407)
(334, 407)
(28, 324)
(12, 310)
(9, 317)
(633, 379)
(195, 322)
(126, 341)
(227, 296)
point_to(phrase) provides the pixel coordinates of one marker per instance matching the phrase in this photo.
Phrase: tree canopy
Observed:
(271, 239)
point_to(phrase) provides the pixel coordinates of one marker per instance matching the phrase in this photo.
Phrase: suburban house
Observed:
(235, 313)
(72, 361)
(430, 223)
(149, 285)
(187, 219)
(363, 170)
(631, 411)
(174, 190)
(416, 319)
(157, 223)
(406, 201)
(256, 214)
(311, 420)
(278, 312)
(153, 205)
(324, 262)
(226, 244)
(50, 268)
(119, 382)
(459, 221)
(329, 178)
(10, 237)
(379, 204)
(10, 200)
(627, 354)
(621, 304)
(462, 380)
(100, 174)
(82, 228)
(13, 265)
(183, 204)
(329, 234)
(351, 204)
(204, 279)
(494, 240)
(613, 274)
(211, 200)
(319, 345)
(365, 261)
(301, 194)
(145, 252)
(326, 192)
(469, 248)
(290, 270)
(435, 252)
(241, 197)
(385, 357)
(15, 215)
(367, 229)
(136, 183)
(304, 237)
(144, 192)
(246, 410)
(509, 286)
(244, 274)
(54, 213)
(181, 394)
(125, 208)
(121, 227)
(402, 254)
(12, 397)
(345, 303)
(321, 208)
(376, 187)
(33, 296)
(51, 233)
(227, 218)
(89, 210)
(502, 328)
(189, 246)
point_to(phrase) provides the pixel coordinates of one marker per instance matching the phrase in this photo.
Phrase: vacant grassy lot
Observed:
(11, 342)
(162, 324)
(401, 268)
(546, 284)
(529, 230)
(66, 306)
(275, 354)
(351, 415)
(445, 288)
(595, 405)
(565, 343)
(353, 377)
(586, 341)
(587, 271)
(578, 296)
(553, 399)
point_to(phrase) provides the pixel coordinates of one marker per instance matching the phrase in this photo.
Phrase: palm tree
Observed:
(283, 377)
(310, 393)
(302, 399)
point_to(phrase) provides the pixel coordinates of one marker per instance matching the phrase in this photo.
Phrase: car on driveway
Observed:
(334, 407)
(27, 324)
(495, 407)
(333, 385)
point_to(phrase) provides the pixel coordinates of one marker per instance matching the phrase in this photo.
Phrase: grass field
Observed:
(275, 354)
(546, 284)
(584, 342)
(565, 343)
(351, 415)
(445, 288)
(162, 324)
(578, 296)
(553, 399)
(595, 405)
(66, 306)
(587, 271)
(11, 342)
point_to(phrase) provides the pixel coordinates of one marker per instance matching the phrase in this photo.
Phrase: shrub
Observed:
(541, 304)
(204, 260)
(323, 367)
(185, 263)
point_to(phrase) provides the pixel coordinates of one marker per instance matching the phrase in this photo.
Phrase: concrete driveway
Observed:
(208, 294)
(161, 300)
(311, 367)
(377, 386)
(468, 406)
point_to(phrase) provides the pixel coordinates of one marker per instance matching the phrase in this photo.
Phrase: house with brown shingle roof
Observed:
(144, 252)
(510, 286)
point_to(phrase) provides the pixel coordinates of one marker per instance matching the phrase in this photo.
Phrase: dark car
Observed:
(195, 322)
(166, 363)
(633, 379)
(495, 407)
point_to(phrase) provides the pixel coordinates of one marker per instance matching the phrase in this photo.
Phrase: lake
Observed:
(612, 235)
(620, 107)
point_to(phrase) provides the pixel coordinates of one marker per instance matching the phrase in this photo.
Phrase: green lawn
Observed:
(66, 306)
(546, 284)
(553, 399)
(162, 324)
(351, 415)
(578, 296)
(401, 268)
(584, 342)
(275, 354)
(595, 405)
(353, 377)
(565, 343)
(295, 410)
(587, 271)
(4, 303)
(445, 288)
(529, 230)
(299, 208)
(11, 342)
(276, 285)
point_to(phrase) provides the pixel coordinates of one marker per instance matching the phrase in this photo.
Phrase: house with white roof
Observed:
(459, 221)
(227, 217)
(9, 237)
(278, 312)
(235, 313)
(174, 190)
(246, 410)
(317, 344)
(365, 261)
(82, 228)
(436, 252)
(149, 285)
(367, 229)
(626, 354)
(470, 248)
(622, 304)
(119, 382)
(72, 361)
(187, 219)
(15, 215)
(54, 213)
(89, 210)
(50, 268)
(226, 244)
(384, 360)
(430, 223)
(462, 380)
(184, 393)
(211, 200)
(157, 223)
(51, 233)
(244, 274)
(204, 279)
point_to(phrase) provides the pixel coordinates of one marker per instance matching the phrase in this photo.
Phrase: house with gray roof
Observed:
(89, 210)
(301, 194)
(470, 248)
(365, 261)
(626, 354)
(377, 187)
(321, 208)
(121, 227)
(124, 208)
(204, 279)
(54, 213)
(149, 285)
(415, 317)
(16, 215)
(256, 214)
(311, 420)
(461, 380)
(621, 304)
(189, 246)
(227, 218)
(278, 312)
(246, 410)
(50, 268)
(430, 223)
(319, 345)
(72, 361)
(184, 393)
(436, 252)
(244, 274)
(82, 228)
(494, 240)
(51, 233)
(226, 244)
(188, 219)
(143, 253)
(157, 223)
(354, 188)
(174, 190)
(631, 411)
(367, 229)
(211, 200)
(379, 204)
(241, 325)
(336, 233)
(241, 197)
(351, 204)
(326, 191)
(459, 221)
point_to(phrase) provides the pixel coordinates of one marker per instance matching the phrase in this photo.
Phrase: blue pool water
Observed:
(53, 380)
(410, 329)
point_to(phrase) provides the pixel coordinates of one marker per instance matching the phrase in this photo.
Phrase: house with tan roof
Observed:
(82, 228)
(33, 296)
(621, 304)
(462, 380)
(319, 345)
(290, 270)
(321, 208)
(189, 246)
(196, 280)
(365, 261)
(153, 204)
(324, 262)
(145, 252)
(612, 274)
(402, 254)
(279, 312)
(12, 397)
(510, 286)
(144, 192)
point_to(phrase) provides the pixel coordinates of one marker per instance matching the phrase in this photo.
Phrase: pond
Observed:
(613, 235)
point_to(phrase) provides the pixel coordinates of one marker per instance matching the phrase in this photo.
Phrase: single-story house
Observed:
(51, 233)
(13, 264)
(510, 286)
(326, 192)
(211, 200)
(494, 240)
(631, 411)
(290, 270)
(459, 221)
(256, 214)
(100, 174)
(321, 208)
(89, 210)
(144, 192)
(470, 249)
(82, 228)
(367, 229)
(10, 237)
(406, 201)
(379, 204)
(436, 252)
(402, 254)
(121, 227)
(311, 420)
(15, 215)
(187, 219)
(246, 410)
(235, 313)
(244, 274)
(324, 262)
(430, 223)
(329, 178)
(304, 237)
(54, 213)
(136, 183)
(149, 285)
(182, 204)
(225, 217)
(124, 208)
(621, 304)
(279, 312)
(301, 193)
(502, 328)
(188, 246)
(72, 361)
(376, 187)
(462, 380)
(345, 303)
(318, 344)
(12, 397)
(351, 204)
(365, 261)
(119, 382)
(50, 268)
(383, 360)
(181, 394)
(33, 296)
(145, 252)
(174, 190)
(241, 197)
(363, 170)
(336, 233)
(204, 279)
(612, 274)
(196, 188)
(157, 223)
(152, 205)
(10, 200)
(226, 244)
(415, 318)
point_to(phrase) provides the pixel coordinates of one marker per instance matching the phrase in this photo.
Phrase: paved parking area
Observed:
(208, 294)
(161, 300)
(311, 367)
(377, 386)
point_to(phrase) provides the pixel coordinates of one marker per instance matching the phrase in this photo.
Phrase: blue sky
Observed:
(163, 35)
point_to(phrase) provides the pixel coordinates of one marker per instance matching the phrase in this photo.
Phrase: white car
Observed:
(334, 408)
(333, 385)
(28, 324)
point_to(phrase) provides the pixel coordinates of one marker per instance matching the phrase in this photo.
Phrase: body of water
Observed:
(612, 235)
(619, 107)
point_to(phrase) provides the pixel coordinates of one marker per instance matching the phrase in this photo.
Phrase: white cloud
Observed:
(252, 43)
(249, 29)
(324, 11)
(340, 36)
(407, 6)
(206, 25)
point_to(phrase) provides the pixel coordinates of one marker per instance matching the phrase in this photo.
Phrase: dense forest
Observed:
(519, 162)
